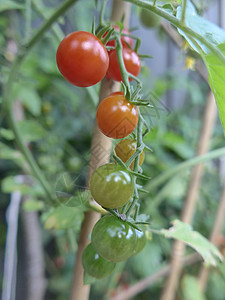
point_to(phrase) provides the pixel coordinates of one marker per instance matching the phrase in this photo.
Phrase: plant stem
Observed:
(183, 14)
(182, 166)
(176, 22)
(28, 20)
(7, 97)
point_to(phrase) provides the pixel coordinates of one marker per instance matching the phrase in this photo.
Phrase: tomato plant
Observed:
(111, 186)
(126, 148)
(124, 39)
(113, 239)
(117, 117)
(131, 61)
(94, 264)
(82, 59)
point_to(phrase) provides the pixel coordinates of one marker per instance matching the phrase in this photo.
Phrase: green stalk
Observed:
(7, 100)
(160, 179)
(28, 20)
(183, 14)
(123, 70)
(179, 24)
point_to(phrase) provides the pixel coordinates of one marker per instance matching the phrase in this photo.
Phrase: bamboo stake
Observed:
(100, 154)
(216, 231)
(191, 198)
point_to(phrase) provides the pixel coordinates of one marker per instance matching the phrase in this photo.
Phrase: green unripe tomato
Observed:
(149, 19)
(141, 241)
(114, 239)
(95, 265)
(111, 186)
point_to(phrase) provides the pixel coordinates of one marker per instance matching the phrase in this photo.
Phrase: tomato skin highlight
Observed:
(116, 117)
(131, 61)
(126, 148)
(82, 59)
(94, 264)
(113, 239)
(111, 186)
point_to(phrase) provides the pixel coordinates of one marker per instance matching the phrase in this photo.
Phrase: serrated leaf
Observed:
(210, 31)
(8, 5)
(184, 232)
(31, 130)
(62, 218)
(191, 289)
(33, 205)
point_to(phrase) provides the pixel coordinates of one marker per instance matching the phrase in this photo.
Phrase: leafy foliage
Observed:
(194, 239)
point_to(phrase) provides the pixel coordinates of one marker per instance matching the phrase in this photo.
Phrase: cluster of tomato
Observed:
(83, 60)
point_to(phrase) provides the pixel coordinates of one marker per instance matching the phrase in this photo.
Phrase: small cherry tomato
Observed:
(149, 19)
(124, 39)
(94, 264)
(117, 117)
(141, 241)
(111, 186)
(131, 61)
(113, 239)
(82, 59)
(125, 149)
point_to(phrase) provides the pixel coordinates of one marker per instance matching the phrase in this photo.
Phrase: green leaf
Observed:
(33, 205)
(11, 184)
(215, 66)
(216, 74)
(211, 32)
(31, 130)
(183, 232)
(62, 218)
(191, 289)
(8, 5)
(7, 134)
(29, 97)
(8, 153)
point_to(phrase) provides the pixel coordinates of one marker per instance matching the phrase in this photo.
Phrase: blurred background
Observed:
(56, 120)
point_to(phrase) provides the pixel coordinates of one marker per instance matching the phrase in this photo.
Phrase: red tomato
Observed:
(117, 117)
(124, 39)
(131, 61)
(82, 59)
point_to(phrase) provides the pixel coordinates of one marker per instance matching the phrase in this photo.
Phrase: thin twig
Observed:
(216, 231)
(191, 198)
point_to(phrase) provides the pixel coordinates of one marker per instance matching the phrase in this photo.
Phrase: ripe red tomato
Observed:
(124, 39)
(111, 186)
(117, 117)
(131, 61)
(94, 264)
(114, 239)
(82, 59)
(125, 149)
